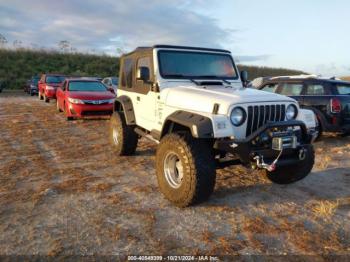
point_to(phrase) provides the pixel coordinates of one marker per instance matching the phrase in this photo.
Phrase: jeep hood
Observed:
(202, 99)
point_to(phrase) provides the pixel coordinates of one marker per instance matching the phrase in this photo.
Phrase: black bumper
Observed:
(246, 149)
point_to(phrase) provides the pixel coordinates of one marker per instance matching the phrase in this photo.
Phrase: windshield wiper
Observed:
(184, 77)
(214, 77)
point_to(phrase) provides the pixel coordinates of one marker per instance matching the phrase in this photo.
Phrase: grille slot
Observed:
(260, 115)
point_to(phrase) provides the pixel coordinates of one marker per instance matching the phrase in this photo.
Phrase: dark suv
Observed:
(329, 98)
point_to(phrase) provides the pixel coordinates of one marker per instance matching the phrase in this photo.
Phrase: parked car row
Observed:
(328, 98)
(77, 97)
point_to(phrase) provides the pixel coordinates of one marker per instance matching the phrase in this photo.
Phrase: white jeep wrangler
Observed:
(193, 103)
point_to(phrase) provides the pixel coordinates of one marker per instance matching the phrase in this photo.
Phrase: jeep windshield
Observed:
(192, 65)
(86, 86)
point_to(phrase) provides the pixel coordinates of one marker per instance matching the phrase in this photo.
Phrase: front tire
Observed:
(185, 169)
(46, 99)
(58, 107)
(40, 96)
(291, 174)
(122, 136)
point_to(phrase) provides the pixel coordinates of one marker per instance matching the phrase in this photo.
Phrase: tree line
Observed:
(17, 66)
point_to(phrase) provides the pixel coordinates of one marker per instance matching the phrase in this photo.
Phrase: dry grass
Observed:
(62, 191)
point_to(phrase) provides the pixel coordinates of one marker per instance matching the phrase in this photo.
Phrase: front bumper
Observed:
(260, 143)
(82, 110)
(51, 94)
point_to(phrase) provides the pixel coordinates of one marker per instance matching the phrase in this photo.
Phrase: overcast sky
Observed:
(311, 35)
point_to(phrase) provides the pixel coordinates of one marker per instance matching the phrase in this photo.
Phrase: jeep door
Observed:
(145, 107)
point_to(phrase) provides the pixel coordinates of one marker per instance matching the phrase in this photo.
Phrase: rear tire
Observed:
(185, 169)
(290, 174)
(122, 136)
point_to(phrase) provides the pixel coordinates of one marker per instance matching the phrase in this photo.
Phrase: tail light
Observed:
(335, 105)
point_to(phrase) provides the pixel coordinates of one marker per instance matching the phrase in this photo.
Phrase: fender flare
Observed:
(124, 104)
(200, 126)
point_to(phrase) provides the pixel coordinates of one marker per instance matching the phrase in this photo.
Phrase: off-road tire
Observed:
(198, 165)
(122, 136)
(290, 174)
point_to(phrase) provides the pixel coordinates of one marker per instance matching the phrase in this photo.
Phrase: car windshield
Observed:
(343, 89)
(182, 64)
(54, 79)
(115, 80)
(35, 81)
(87, 86)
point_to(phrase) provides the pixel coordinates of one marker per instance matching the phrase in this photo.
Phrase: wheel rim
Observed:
(115, 136)
(173, 170)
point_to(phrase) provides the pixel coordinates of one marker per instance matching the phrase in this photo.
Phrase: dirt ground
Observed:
(63, 192)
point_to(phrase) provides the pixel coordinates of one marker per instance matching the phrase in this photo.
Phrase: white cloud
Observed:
(95, 24)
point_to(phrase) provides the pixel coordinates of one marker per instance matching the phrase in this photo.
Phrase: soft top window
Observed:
(87, 86)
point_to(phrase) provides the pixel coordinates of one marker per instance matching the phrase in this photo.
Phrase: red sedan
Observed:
(84, 98)
(48, 84)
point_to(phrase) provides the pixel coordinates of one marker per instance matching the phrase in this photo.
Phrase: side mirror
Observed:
(244, 78)
(143, 74)
(110, 89)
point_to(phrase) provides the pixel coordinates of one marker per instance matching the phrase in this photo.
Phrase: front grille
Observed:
(96, 113)
(96, 102)
(260, 115)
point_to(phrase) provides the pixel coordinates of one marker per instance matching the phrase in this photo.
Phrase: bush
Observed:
(17, 66)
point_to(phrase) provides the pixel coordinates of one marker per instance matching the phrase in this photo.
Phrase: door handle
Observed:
(138, 98)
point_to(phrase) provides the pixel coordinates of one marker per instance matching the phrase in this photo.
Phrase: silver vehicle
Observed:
(111, 82)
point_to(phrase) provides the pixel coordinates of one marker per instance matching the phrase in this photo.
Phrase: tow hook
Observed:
(302, 154)
(262, 165)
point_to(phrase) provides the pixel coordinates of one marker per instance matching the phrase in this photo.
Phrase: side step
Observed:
(145, 134)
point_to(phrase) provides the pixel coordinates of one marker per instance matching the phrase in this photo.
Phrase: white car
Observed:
(191, 101)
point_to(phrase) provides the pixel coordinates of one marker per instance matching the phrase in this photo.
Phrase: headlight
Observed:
(75, 101)
(291, 112)
(238, 116)
(50, 88)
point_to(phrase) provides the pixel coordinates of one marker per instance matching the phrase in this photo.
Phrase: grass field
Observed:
(63, 192)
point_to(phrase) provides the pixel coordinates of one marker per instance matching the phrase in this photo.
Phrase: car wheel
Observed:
(185, 169)
(31, 93)
(68, 118)
(289, 174)
(122, 136)
(46, 99)
(57, 106)
(318, 129)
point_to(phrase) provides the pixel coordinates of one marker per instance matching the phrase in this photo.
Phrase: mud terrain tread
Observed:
(128, 136)
(200, 170)
(291, 174)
